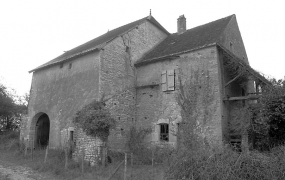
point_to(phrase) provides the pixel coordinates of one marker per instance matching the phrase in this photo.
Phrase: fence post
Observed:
(83, 155)
(104, 155)
(26, 147)
(32, 148)
(46, 153)
(125, 170)
(66, 155)
(131, 165)
(152, 162)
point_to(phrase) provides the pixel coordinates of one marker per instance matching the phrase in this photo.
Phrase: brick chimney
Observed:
(181, 24)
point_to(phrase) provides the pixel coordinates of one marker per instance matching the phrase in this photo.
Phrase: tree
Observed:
(272, 109)
(12, 107)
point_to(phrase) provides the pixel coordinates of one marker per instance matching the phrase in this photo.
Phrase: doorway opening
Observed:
(42, 131)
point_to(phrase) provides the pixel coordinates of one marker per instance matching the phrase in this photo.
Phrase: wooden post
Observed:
(125, 170)
(66, 155)
(82, 163)
(104, 156)
(152, 162)
(32, 148)
(132, 162)
(46, 154)
(26, 147)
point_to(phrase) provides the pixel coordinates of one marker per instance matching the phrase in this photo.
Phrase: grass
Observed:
(179, 164)
(4, 177)
(55, 165)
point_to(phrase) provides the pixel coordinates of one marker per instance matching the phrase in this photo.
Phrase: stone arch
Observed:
(40, 130)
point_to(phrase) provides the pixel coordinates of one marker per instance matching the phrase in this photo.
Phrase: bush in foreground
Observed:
(226, 165)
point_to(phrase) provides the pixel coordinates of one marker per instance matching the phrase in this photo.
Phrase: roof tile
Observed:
(194, 38)
(100, 41)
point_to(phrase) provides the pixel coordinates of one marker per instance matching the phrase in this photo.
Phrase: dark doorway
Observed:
(42, 131)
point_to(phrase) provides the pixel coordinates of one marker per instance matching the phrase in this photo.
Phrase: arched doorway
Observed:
(42, 130)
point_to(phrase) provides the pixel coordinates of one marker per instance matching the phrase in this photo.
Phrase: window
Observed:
(70, 65)
(231, 46)
(71, 135)
(164, 132)
(168, 80)
(61, 65)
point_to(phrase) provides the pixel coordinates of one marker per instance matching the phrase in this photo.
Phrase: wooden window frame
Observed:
(164, 132)
(168, 80)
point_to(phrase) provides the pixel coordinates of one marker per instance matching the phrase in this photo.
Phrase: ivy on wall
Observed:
(95, 120)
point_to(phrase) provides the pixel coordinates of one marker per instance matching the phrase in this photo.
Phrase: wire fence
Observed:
(131, 167)
(146, 162)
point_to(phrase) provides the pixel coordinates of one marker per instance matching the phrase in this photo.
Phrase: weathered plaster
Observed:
(60, 92)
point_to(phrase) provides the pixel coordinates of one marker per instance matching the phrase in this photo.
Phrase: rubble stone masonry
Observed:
(155, 106)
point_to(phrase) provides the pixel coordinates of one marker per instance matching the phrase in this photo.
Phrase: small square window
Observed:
(231, 46)
(70, 66)
(164, 132)
(61, 65)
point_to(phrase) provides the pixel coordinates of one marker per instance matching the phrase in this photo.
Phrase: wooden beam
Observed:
(240, 98)
(147, 85)
(232, 80)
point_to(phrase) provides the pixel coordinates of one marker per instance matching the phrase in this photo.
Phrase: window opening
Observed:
(231, 46)
(164, 132)
(61, 65)
(70, 65)
(71, 135)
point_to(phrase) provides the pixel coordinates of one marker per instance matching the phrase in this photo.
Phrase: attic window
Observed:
(168, 80)
(61, 65)
(231, 46)
(70, 66)
(164, 132)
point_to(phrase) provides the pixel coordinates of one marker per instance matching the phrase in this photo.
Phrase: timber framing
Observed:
(235, 78)
(240, 67)
(240, 98)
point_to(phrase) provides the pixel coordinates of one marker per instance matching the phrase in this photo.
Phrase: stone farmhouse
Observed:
(137, 67)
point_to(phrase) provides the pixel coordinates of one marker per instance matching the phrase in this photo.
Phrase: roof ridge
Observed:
(196, 37)
(231, 17)
(208, 23)
(100, 40)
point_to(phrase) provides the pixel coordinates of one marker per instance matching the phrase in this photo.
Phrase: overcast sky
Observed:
(33, 32)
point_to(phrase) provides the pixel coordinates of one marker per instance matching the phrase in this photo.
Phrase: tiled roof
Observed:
(194, 38)
(100, 41)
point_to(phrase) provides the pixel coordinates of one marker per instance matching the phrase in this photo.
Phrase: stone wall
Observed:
(155, 106)
(91, 147)
(118, 76)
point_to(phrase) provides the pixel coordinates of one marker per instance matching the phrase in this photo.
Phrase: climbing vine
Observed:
(196, 100)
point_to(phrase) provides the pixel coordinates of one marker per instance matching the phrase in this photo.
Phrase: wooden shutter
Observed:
(164, 81)
(170, 80)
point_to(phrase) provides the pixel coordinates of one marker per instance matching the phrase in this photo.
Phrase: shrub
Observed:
(137, 145)
(95, 120)
(228, 164)
(10, 140)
